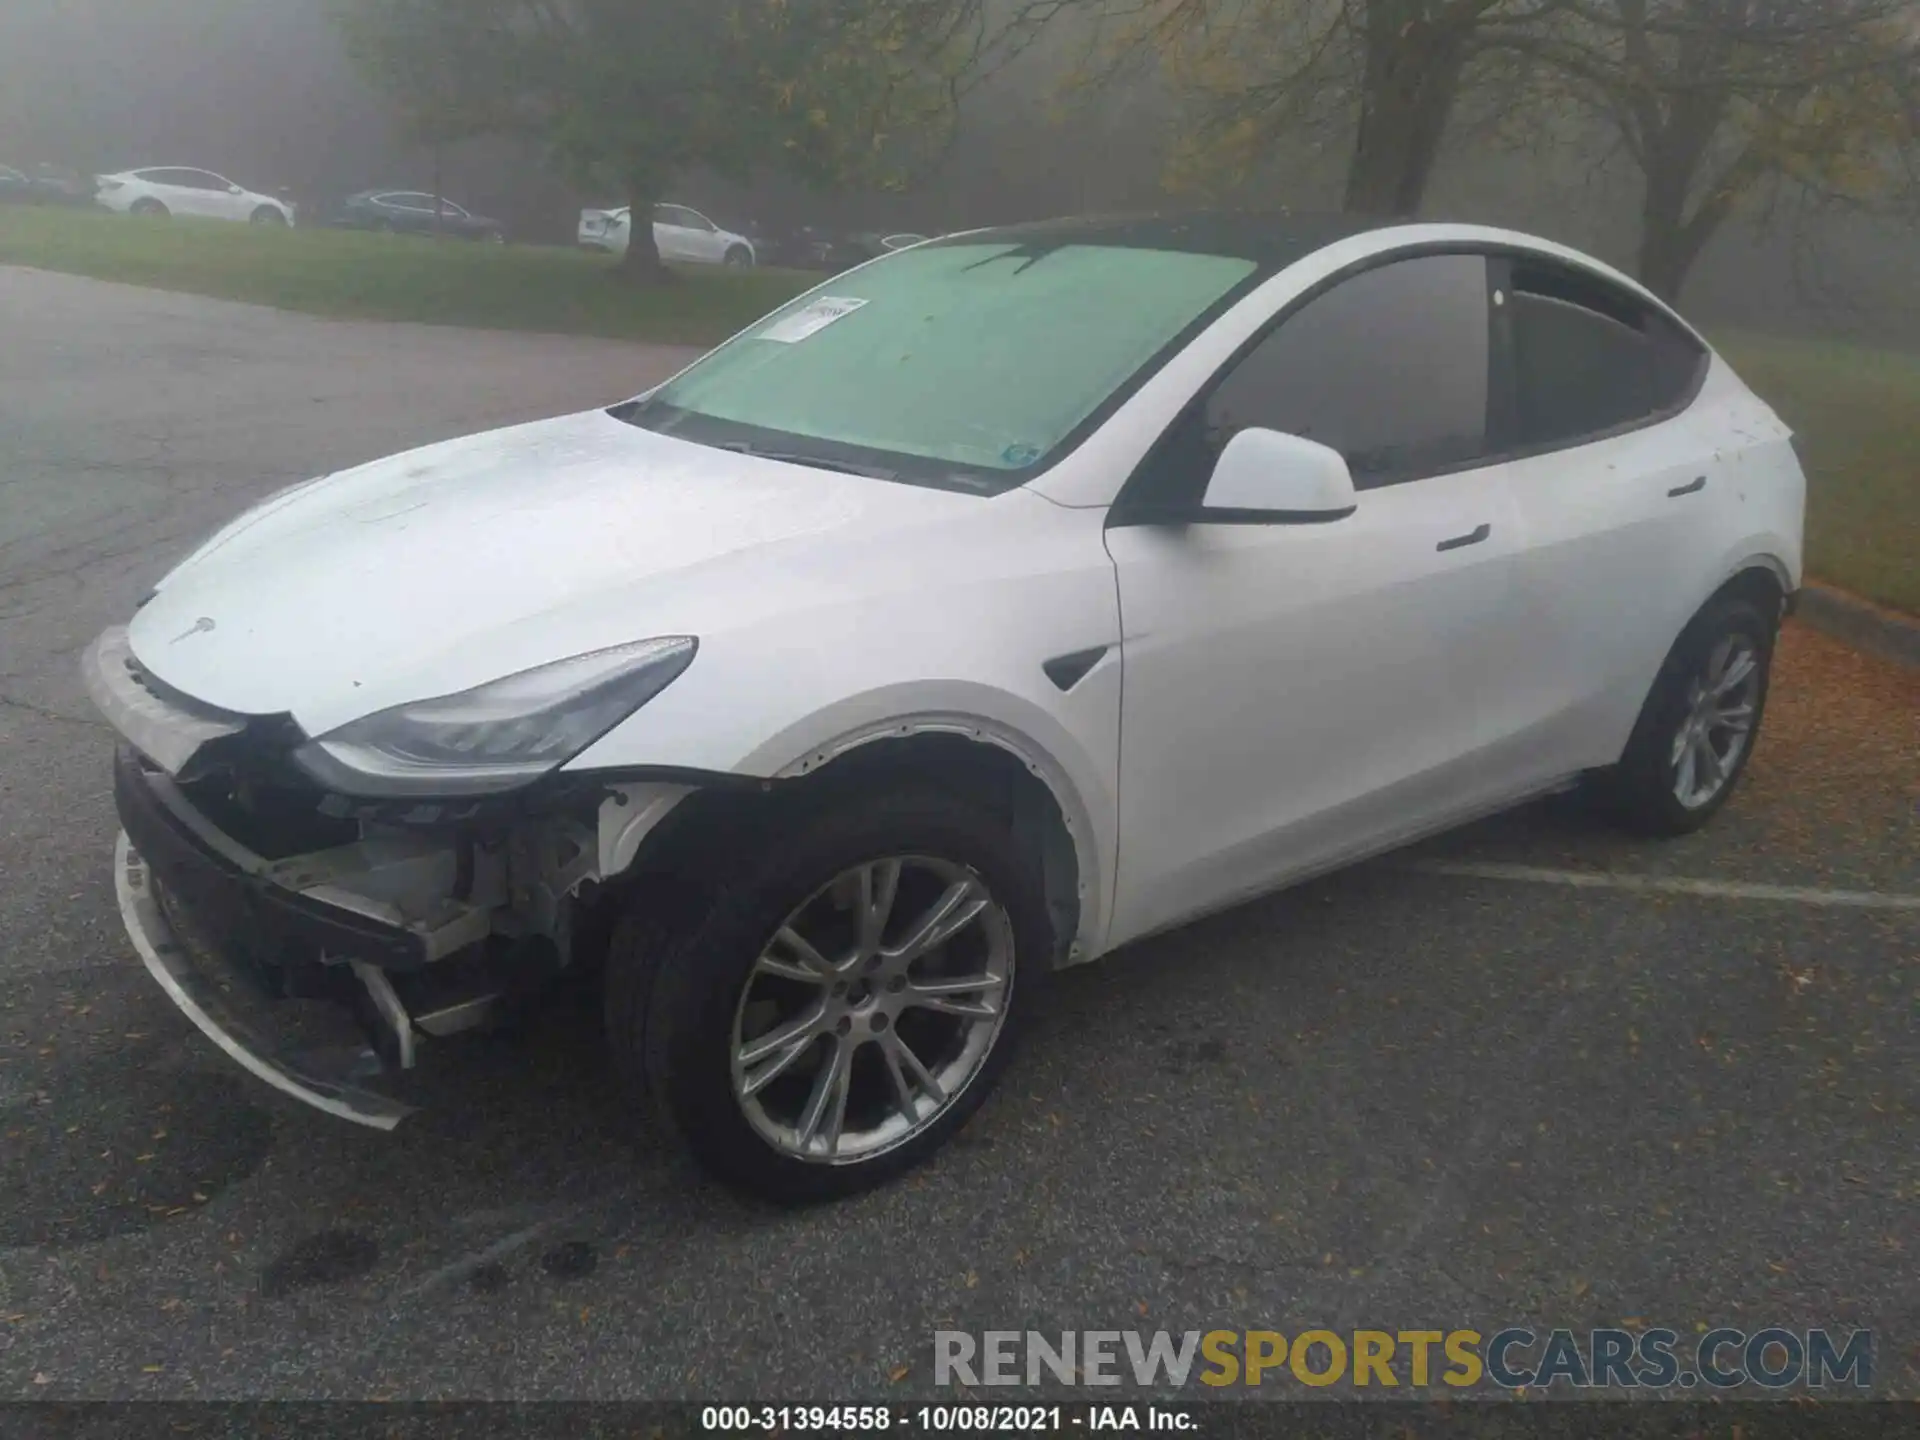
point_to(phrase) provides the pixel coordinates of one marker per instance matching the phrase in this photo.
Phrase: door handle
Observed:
(1695, 488)
(1461, 541)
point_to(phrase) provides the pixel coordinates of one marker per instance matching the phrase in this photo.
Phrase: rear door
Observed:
(1614, 480)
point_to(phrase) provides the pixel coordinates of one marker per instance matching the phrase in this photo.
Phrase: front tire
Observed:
(1698, 726)
(841, 1007)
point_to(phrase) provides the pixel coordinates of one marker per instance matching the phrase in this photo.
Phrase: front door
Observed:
(1295, 695)
(214, 197)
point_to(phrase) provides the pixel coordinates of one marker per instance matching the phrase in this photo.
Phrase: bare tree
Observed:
(1719, 102)
(1254, 74)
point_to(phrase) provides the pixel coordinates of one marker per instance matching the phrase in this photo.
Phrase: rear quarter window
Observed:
(1590, 359)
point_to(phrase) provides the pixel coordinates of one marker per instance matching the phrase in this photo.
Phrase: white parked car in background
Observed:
(174, 190)
(995, 604)
(682, 234)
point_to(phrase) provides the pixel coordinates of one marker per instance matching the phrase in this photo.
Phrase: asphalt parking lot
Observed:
(1435, 1092)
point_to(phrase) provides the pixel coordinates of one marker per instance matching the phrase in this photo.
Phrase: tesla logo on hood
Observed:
(199, 627)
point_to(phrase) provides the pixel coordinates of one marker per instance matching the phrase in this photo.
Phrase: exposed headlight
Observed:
(500, 735)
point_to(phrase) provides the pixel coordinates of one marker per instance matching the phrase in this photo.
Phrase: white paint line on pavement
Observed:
(466, 1265)
(1667, 885)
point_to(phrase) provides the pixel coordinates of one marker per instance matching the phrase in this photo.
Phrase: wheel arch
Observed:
(1762, 577)
(687, 831)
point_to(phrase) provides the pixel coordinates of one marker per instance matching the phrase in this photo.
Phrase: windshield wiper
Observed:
(843, 467)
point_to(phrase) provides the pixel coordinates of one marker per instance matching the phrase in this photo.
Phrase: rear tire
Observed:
(690, 994)
(739, 258)
(149, 206)
(1698, 726)
(267, 215)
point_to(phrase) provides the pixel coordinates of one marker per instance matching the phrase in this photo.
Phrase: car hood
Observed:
(446, 567)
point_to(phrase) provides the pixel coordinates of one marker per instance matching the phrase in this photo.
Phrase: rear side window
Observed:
(1591, 359)
(1389, 367)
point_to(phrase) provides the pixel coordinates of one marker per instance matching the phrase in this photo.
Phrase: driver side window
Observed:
(1390, 367)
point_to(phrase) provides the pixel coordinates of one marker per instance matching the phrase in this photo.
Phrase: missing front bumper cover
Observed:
(215, 998)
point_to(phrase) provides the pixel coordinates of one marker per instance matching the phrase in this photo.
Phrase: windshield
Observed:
(960, 363)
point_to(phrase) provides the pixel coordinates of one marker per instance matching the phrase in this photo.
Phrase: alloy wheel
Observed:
(871, 1009)
(1718, 724)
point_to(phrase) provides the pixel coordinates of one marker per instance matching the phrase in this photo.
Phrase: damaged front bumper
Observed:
(321, 952)
(215, 997)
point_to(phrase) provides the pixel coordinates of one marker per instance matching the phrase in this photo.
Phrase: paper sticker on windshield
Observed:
(809, 319)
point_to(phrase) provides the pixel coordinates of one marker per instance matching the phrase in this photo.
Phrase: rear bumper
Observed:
(221, 1000)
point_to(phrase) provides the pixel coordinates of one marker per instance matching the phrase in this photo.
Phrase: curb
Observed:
(1862, 625)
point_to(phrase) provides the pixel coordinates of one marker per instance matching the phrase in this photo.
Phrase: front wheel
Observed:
(844, 1005)
(1697, 729)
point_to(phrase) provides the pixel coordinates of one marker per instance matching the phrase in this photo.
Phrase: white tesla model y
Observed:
(1001, 601)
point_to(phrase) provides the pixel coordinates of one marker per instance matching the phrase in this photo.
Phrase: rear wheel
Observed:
(148, 206)
(1697, 729)
(739, 257)
(267, 215)
(839, 1009)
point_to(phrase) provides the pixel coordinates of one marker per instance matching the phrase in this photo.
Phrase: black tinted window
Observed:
(1589, 358)
(1389, 368)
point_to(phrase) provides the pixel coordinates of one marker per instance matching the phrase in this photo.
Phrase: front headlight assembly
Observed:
(497, 736)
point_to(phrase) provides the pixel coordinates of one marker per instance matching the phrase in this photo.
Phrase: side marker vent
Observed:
(1067, 671)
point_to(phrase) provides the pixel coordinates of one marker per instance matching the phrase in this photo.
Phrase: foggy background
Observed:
(262, 91)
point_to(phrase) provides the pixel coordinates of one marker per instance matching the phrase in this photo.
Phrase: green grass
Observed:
(1857, 410)
(350, 274)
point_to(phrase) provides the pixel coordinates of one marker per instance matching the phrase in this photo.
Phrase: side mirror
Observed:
(1265, 477)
